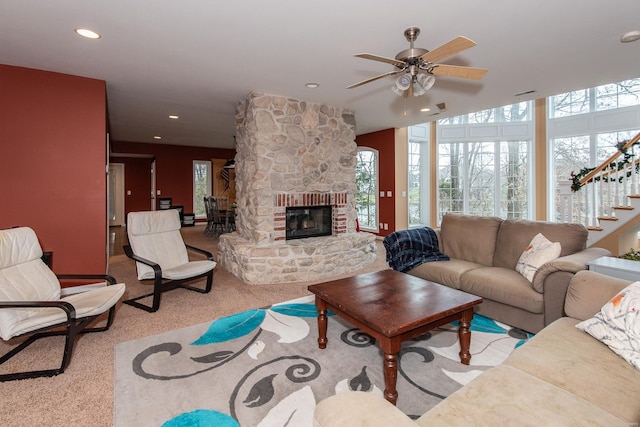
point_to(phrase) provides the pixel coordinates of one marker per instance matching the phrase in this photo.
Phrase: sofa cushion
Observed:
(471, 238)
(446, 273)
(505, 395)
(572, 360)
(358, 408)
(515, 235)
(589, 291)
(540, 251)
(504, 286)
(617, 324)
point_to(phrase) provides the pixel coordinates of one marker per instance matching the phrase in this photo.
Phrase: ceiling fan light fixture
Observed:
(426, 80)
(397, 91)
(402, 83)
(418, 90)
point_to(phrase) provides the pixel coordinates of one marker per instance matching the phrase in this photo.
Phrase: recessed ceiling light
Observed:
(312, 85)
(630, 36)
(424, 110)
(171, 116)
(157, 137)
(85, 32)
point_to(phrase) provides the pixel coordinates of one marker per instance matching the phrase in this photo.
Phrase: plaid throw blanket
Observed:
(407, 249)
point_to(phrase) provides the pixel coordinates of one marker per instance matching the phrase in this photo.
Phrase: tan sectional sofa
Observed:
(560, 377)
(483, 255)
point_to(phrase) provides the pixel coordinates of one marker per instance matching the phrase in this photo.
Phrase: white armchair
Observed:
(161, 255)
(31, 299)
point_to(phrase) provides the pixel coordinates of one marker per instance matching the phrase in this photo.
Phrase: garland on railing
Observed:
(613, 166)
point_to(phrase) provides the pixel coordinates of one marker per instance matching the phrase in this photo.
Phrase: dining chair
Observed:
(216, 224)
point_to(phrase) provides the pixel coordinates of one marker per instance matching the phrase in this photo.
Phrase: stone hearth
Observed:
(293, 153)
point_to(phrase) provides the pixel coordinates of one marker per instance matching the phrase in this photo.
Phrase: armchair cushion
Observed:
(19, 246)
(24, 277)
(85, 304)
(161, 255)
(184, 271)
(156, 237)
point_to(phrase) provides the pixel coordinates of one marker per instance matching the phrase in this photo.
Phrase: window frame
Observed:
(376, 181)
(198, 199)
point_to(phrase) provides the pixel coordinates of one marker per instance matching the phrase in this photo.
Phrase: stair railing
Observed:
(609, 186)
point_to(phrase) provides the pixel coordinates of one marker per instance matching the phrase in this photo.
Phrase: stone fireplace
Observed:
(294, 154)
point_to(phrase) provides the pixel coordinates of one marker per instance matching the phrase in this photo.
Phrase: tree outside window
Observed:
(488, 176)
(201, 186)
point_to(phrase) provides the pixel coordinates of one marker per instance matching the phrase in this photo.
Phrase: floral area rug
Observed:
(263, 367)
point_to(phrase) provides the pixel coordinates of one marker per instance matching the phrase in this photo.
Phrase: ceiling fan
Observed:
(420, 66)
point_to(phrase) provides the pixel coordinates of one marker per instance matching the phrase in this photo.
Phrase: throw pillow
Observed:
(617, 324)
(539, 251)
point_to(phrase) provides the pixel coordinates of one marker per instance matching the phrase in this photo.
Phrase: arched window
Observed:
(367, 188)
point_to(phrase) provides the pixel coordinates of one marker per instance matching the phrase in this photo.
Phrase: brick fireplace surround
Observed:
(293, 153)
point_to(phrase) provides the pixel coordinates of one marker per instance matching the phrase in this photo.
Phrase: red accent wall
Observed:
(174, 171)
(384, 142)
(52, 164)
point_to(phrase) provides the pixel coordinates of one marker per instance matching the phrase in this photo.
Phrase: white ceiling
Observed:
(199, 58)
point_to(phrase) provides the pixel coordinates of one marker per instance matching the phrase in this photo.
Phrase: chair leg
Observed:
(159, 288)
(71, 331)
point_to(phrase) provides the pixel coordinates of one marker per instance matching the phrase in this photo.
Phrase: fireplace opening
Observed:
(308, 221)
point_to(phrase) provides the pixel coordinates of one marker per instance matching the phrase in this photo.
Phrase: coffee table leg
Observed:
(390, 377)
(464, 334)
(321, 306)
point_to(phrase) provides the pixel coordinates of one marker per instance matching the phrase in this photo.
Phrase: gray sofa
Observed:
(483, 255)
(560, 377)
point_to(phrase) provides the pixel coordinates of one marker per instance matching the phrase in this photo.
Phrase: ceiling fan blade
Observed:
(448, 49)
(458, 71)
(373, 57)
(390, 73)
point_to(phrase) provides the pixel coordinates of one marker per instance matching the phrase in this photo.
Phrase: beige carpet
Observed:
(84, 394)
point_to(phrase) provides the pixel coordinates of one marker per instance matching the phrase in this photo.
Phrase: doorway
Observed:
(116, 194)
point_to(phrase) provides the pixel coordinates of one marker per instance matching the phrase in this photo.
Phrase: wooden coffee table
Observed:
(393, 307)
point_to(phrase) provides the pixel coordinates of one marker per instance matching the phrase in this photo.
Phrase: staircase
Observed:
(606, 198)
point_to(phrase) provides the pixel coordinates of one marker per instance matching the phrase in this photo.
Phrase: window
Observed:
(201, 186)
(418, 163)
(480, 172)
(587, 140)
(569, 104)
(367, 188)
(618, 95)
